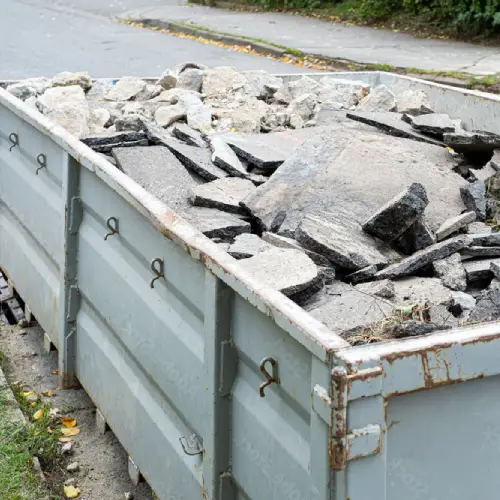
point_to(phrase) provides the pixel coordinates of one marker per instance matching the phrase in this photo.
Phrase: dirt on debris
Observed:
(102, 471)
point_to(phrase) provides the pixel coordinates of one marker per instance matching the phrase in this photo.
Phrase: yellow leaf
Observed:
(65, 440)
(38, 415)
(27, 394)
(48, 394)
(71, 492)
(33, 404)
(68, 422)
(70, 432)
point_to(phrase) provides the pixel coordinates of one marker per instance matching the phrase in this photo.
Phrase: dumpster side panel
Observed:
(32, 216)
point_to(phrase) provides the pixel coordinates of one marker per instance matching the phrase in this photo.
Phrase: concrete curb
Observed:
(14, 413)
(271, 50)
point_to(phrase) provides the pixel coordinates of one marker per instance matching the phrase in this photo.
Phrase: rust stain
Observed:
(338, 443)
(366, 374)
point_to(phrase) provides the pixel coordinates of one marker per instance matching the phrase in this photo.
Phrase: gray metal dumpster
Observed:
(167, 334)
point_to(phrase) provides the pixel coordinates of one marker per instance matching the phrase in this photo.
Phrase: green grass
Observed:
(19, 442)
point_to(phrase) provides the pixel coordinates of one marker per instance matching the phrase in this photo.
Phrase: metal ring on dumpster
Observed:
(269, 379)
(42, 161)
(14, 140)
(112, 224)
(157, 266)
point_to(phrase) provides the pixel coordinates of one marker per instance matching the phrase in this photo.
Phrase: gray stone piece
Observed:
(248, 245)
(413, 102)
(398, 214)
(216, 224)
(454, 224)
(423, 258)
(130, 122)
(340, 241)
(287, 270)
(384, 289)
(224, 157)
(268, 151)
(261, 84)
(331, 172)
(199, 117)
(495, 160)
(347, 93)
(433, 123)
(441, 315)
(413, 328)
(487, 307)
(66, 79)
(474, 198)
(365, 274)
(125, 89)
(191, 79)
(421, 291)
(158, 171)
(495, 269)
(478, 228)
(188, 135)
(381, 98)
(391, 124)
(223, 194)
(196, 159)
(451, 272)
(462, 304)
(417, 237)
(351, 310)
(472, 142)
(478, 270)
(474, 252)
(166, 115)
(483, 174)
(113, 138)
(292, 89)
(485, 239)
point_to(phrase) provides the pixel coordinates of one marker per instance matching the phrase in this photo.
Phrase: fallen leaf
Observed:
(70, 432)
(49, 430)
(27, 394)
(38, 415)
(71, 492)
(33, 404)
(55, 372)
(68, 422)
(65, 440)
(48, 394)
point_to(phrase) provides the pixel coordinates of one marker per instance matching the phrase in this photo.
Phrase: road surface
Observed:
(44, 37)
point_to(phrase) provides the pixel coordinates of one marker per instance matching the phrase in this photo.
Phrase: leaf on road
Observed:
(70, 432)
(71, 492)
(68, 422)
(27, 394)
(38, 415)
(65, 440)
(48, 394)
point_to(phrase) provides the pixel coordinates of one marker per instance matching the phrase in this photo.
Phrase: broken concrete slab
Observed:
(340, 241)
(365, 274)
(417, 237)
(199, 117)
(480, 269)
(216, 224)
(433, 123)
(391, 220)
(186, 134)
(261, 84)
(292, 89)
(421, 291)
(283, 242)
(485, 239)
(474, 198)
(347, 93)
(392, 124)
(462, 305)
(113, 138)
(381, 98)
(413, 102)
(483, 174)
(413, 328)
(423, 258)
(198, 160)
(487, 307)
(451, 272)
(454, 225)
(108, 148)
(224, 157)
(223, 194)
(478, 228)
(472, 142)
(67, 79)
(166, 115)
(495, 269)
(287, 270)
(352, 311)
(130, 122)
(125, 89)
(474, 252)
(268, 151)
(384, 289)
(158, 171)
(302, 106)
(248, 245)
(331, 171)
(191, 79)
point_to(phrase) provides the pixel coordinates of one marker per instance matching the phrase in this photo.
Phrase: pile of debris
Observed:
(374, 213)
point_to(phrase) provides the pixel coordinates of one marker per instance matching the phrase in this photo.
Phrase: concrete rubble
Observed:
(340, 195)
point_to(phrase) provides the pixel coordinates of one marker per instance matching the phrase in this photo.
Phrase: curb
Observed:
(13, 411)
(271, 50)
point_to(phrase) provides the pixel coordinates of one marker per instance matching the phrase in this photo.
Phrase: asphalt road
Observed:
(42, 38)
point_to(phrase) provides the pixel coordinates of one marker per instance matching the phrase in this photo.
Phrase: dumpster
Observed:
(218, 386)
